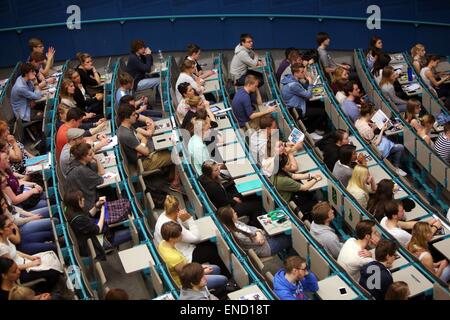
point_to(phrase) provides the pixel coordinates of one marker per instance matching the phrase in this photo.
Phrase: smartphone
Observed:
(343, 291)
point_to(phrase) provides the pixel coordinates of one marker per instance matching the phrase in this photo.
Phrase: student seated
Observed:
(399, 290)
(142, 108)
(171, 234)
(67, 99)
(279, 147)
(24, 94)
(375, 48)
(323, 215)
(340, 74)
(361, 184)
(139, 64)
(37, 60)
(285, 63)
(349, 106)
(242, 104)
(25, 293)
(15, 149)
(90, 78)
(21, 261)
(196, 108)
(250, 237)
(442, 145)
(427, 123)
(413, 107)
(323, 41)
(382, 61)
(387, 88)
(343, 168)
(220, 196)
(36, 45)
(189, 244)
(436, 84)
(291, 188)
(139, 144)
(354, 253)
(384, 193)
(294, 280)
(245, 58)
(330, 145)
(193, 54)
(386, 147)
(187, 75)
(296, 93)
(422, 234)
(418, 55)
(193, 283)
(293, 58)
(197, 148)
(384, 258)
(81, 220)
(85, 102)
(340, 95)
(260, 138)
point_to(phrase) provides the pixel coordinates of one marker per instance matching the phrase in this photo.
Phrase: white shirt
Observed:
(9, 249)
(190, 235)
(350, 260)
(401, 235)
(340, 97)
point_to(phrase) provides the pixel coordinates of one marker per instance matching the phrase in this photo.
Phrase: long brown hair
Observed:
(64, 89)
(419, 237)
(411, 106)
(386, 76)
(225, 215)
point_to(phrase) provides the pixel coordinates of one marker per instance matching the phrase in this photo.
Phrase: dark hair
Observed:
(183, 88)
(244, 36)
(338, 135)
(293, 262)
(3, 219)
(283, 160)
(192, 48)
(391, 208)
(321, 37)
(80, 150)
(266, 121)
(320, 212)
(289, 50)
(340, 84)
(126, 99)
(364, 228)
(25, 68)
(125, 78)
(349, 87)
(382, 61)
(117, 294)
(191, 274)
(250, 79)
(186, 64)
(345, 154)
(34, 42)
(207, 168)
(431, 58)
(5, 265)
(125, 111)
(366, 108)
(170, 230)
(385, 248)
(294, 55)
(72, 201)
(83, 56)
(37, 56)
(70, 73)
(225, 215)
(397, 291)
(384, 193)
(74, 114)
(296, 67)
(373, 42)
(136, 45)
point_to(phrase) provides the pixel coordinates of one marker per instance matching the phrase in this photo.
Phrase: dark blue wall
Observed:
(112, 38)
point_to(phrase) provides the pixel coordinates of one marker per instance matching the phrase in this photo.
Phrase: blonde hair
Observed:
(171, 204)
(359, 178)
(337, 75)
(194, 101)
(419, 239)
(428, 119)
(415, 50)
(21, 293)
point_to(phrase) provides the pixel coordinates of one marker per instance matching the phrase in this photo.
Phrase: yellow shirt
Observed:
(172, 257)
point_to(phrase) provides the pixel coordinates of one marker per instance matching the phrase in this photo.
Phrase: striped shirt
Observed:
(442, 147)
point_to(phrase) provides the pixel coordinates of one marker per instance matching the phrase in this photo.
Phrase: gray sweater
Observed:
(190, 294)
(248, 243)
(242, 60)
(327, 237)
(342, 172)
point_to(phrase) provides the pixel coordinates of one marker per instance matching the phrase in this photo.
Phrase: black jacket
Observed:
(137, 67)
(369, 273)
(219, 196)
(330, 151)
(85, 228)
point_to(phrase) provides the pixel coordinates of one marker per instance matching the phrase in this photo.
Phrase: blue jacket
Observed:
(286, 290)
(294, 94)
(22, 94)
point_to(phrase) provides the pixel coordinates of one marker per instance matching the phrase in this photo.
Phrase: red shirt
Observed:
(61, 139)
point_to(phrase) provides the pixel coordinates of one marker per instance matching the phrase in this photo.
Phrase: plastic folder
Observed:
(249, 185)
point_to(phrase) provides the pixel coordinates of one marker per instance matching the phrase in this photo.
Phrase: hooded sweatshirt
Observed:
(242, 60)
(286, 290)
(294, 94)
(190, 294)
(327, 237)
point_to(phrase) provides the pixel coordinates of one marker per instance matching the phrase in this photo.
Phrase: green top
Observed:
(285, 186)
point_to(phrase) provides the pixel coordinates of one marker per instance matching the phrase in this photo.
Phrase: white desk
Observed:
(444, 247)
(231, 152)
(329, 289)
(415, 213)
(416, 281)
(223, 123)
(319, 185)
(136, 258)
(113, 173)
(162, 126)
(240, 167)
(273, 228)
(211, 86)
(214, 76)
(207, 228)
(227, 136)
(108, 160)
(162, 141)
(248, 290)
(305, 163)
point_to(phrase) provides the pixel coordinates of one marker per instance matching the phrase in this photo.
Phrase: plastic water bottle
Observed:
(160, 56)
(410, 75)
